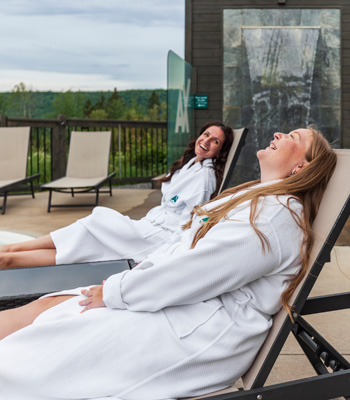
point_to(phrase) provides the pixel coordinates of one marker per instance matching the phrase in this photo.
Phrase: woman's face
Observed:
(285, 154)
(209, 143)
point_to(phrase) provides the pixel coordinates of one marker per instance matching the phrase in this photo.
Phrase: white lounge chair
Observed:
(87, 167)
(14, 145)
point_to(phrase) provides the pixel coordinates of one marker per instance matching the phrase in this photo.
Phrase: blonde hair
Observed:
(307, 186)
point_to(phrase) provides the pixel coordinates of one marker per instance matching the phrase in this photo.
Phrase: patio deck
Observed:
(29, 216)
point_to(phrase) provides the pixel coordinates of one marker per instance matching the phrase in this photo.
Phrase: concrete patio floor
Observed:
(29, 216)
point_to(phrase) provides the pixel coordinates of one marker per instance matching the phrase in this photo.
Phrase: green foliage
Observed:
(41, 162)
(22, 101)
(69, 104)
(153, 101)
(87, 108)
(115, 106)
(98, 114)
(3, 104)
(143, 154)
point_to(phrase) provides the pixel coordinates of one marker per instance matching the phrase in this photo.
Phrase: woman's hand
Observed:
(94, 298)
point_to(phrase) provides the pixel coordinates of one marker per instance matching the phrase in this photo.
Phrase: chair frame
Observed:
(229, 168)
(7, 190)
(73, 191)
(13, 188)
(78, 190)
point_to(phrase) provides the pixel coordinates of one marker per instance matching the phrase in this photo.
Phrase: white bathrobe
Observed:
(182, 323)
(108, 235)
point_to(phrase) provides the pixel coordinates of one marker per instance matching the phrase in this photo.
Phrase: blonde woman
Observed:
(188, 320)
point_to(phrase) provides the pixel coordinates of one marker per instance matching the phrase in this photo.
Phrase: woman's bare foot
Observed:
(4, 261)
(5, 248)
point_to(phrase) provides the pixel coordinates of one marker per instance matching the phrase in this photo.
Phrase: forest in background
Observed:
(130, 105)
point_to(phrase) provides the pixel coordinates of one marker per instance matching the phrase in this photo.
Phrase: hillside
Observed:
(49, 104)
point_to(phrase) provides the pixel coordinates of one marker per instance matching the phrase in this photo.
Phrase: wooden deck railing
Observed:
(138, 148)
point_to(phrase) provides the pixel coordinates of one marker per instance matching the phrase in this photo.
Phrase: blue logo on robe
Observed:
(174, 199)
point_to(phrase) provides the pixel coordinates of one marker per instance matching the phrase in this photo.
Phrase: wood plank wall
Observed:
(204, 50)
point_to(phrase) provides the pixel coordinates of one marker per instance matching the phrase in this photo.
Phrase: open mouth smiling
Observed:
(203, 147)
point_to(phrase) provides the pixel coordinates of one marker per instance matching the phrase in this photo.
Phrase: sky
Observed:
(88, 45)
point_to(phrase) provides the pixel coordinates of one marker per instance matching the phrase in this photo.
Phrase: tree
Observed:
(98, 114)
(22, 100)
(115, 106)
(163, 111)
(87, 108)
(101, 103)
(69, 104)
(153, 113)
(3, 104)
(133, 112)
(153, 101)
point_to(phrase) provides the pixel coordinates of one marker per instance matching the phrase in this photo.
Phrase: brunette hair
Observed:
(307, 186)
(219, 161)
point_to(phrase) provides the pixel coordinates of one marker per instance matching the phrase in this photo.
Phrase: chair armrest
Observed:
(32, 177)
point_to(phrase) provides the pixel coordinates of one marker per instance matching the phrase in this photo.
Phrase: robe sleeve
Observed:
(227, 258)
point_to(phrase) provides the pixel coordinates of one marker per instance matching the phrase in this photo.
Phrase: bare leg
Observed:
(44, 242)
(18, 318)
(28, 258)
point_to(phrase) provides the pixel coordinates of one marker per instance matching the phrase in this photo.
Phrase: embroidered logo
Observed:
(203, 220)
(174, 199)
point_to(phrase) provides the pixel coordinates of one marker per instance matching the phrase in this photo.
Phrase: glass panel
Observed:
(180, 106)
(281, 72)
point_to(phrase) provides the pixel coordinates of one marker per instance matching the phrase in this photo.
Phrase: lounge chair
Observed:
(14, 145)
(333, 370)
(239, 136)
(87, 167)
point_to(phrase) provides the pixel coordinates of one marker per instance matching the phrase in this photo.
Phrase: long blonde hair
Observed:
(308, 186)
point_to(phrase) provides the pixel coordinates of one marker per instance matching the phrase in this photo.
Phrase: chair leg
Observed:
(72, 191)
(49, 204)
(97, 193)
(3, 209)
(32, 188)
(110, 187)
